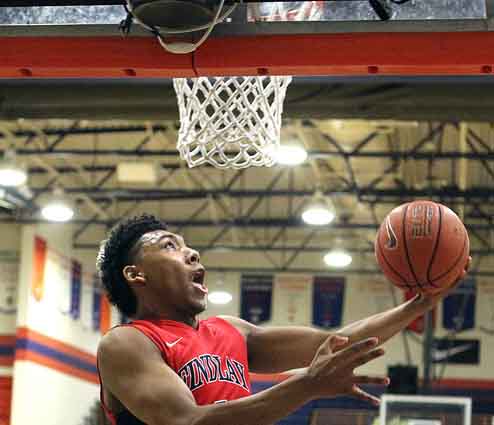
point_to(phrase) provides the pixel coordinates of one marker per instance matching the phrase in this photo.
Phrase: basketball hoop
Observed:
(176, 18)
(230, 122)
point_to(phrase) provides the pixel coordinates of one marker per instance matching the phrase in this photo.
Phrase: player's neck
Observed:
(181, 317)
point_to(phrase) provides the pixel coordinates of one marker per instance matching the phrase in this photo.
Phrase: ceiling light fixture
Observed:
(319, 211)
(338, 258)
(58, 208)
(12, 174)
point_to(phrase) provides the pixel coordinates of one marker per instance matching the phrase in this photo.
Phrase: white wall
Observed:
(9, 269)
(9, 265)
(53, 399)
(53, 394)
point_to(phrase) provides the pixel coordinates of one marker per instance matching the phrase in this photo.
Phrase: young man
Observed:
(167, 367)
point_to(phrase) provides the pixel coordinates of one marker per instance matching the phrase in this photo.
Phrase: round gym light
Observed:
(58, 208)
(290, 155)
(338, 258)
(319, 212)
(220, 297)
(11, 173)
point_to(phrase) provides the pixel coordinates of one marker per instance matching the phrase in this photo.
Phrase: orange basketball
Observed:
(422, 246)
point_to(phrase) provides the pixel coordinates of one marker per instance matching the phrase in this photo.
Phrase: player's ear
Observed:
(133, 276)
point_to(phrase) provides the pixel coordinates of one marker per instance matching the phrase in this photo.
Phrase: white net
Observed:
(230, 122)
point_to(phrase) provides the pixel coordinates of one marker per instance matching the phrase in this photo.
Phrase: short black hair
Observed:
(115, 254)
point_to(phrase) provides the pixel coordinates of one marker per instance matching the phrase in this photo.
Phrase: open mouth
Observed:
(198, 280)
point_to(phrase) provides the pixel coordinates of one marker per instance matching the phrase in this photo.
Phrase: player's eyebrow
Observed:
(176, 238)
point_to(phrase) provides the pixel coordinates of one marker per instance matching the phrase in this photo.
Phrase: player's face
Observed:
(173, 272)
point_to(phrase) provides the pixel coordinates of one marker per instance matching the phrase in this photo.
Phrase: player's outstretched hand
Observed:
(332, 371)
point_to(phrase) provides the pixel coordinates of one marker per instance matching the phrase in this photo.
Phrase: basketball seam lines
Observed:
(404, 238)
(457, 260)
(406, 285)
(438, 236)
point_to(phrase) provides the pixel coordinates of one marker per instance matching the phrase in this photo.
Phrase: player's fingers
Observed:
(366, 358)
(464, 272)
(344, 357)
(325, 347)
(337, 342)
(373, 380)
(364, 396)
(355, 350)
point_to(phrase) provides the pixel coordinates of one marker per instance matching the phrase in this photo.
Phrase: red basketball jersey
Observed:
(211, 360)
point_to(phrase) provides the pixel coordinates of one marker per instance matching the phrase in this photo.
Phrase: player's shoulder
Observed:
(124, 341)
(242, 326)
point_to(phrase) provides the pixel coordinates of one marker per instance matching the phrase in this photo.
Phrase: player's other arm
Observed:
(133, 371)
(388, 323)
(278, 349)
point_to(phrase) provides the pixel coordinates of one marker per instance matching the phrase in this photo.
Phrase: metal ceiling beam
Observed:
(313, 154)
(425, 98)
(363, 273)
(287, 248)
(254, 223)
(74, 130)
(251, 209)
(124, 195)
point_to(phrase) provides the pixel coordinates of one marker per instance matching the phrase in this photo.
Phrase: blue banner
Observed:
(75, 290)
(459, 307)
(327, 301)
(96, 303)
(256, 298)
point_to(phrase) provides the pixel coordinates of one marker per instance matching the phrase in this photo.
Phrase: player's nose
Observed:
(192, 256)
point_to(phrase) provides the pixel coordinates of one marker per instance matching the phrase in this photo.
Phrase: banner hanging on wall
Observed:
(96, 322)
(86, 316)
(58, 276)
(381, 294)
(459, 306)
(327, 301)
(459, 351)
(292, 299)
(9, 268)
(485, 308)
(75, 290)
(105, 315)
(39, 261)
(256, 298)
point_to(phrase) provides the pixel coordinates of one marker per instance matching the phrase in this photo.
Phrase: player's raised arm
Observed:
(133, 371)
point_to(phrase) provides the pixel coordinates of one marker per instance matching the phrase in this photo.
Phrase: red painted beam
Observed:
(89, 57)
(356, 54)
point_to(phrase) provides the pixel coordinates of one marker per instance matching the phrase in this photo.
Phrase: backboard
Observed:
(345, 37)
(425, 410)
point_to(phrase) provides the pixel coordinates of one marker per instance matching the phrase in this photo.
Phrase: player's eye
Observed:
(169, 245)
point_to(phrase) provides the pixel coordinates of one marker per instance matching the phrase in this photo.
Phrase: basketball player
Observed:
(168, 367)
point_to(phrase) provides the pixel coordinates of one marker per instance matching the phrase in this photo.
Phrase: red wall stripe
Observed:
(55, 365)
(22, 354)
(6, 361)
(23, 332)
(7, 340)
(5, 399)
